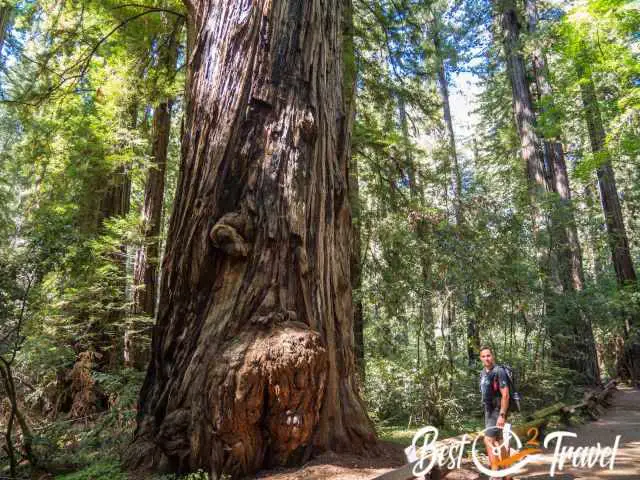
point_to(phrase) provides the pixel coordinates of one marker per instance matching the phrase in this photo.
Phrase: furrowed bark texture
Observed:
(570, 332)
(6, 15)
(252, 355)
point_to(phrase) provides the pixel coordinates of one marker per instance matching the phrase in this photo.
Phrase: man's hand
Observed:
(500, 422)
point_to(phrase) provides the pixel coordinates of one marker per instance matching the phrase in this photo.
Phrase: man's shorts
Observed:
(490, 420)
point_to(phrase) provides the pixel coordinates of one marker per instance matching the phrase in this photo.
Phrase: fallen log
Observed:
(593, 400)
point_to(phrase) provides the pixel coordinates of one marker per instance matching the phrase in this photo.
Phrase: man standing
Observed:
(494, 386)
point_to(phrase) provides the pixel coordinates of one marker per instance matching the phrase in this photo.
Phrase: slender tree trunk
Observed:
(629, 361)
(16, 414)
(146, 266)
(618, 241)
(564, 231)
(473, 332)
(252, 355)
(349, 92)
(522, 102)
(454, 167)
(566, 325)
(6, 17)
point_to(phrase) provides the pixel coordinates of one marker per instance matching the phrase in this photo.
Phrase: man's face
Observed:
(487, 358)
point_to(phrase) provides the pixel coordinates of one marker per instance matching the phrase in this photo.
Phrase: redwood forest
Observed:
(276, 238)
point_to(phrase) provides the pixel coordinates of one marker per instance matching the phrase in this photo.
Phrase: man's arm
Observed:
(504, 399)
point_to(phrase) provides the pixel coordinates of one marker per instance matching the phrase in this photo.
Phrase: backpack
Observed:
(514, 396)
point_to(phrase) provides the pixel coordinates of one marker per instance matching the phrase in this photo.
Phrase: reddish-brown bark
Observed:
(252, 355)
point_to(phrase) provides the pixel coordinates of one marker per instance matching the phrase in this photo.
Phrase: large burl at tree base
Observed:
(252, 354)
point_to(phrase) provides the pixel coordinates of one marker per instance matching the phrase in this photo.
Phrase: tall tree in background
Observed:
(570, 332)
(436, 34)
(349, 97)
(629, 359)
(146, 266)
(618, 242)
(6, 15)
(255, 322)
(553, 152)
(564, 231)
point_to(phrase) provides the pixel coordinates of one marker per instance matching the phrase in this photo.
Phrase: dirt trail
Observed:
(622, 418)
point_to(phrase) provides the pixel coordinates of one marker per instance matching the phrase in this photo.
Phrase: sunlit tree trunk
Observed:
(252, 355)
(628, 363)
(146, 266)
(618, 241)
(566, 326)
(6, 15)
(564, 231)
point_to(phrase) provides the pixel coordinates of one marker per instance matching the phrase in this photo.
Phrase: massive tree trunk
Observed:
(568, 329)
(564, 231)
(252, 355)
(554, 160)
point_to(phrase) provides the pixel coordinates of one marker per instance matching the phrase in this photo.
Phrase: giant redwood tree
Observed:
(252, 354)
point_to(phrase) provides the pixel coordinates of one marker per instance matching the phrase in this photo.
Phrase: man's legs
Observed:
(493, 441)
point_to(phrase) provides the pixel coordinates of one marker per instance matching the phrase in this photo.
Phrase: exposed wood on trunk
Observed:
(252, 355)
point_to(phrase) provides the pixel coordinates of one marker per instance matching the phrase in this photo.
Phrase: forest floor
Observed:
(622, 418)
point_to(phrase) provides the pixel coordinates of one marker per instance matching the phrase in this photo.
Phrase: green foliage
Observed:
(102, 470)
(79, 82)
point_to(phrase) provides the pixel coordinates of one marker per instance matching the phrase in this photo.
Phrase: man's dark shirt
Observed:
(491, 398)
